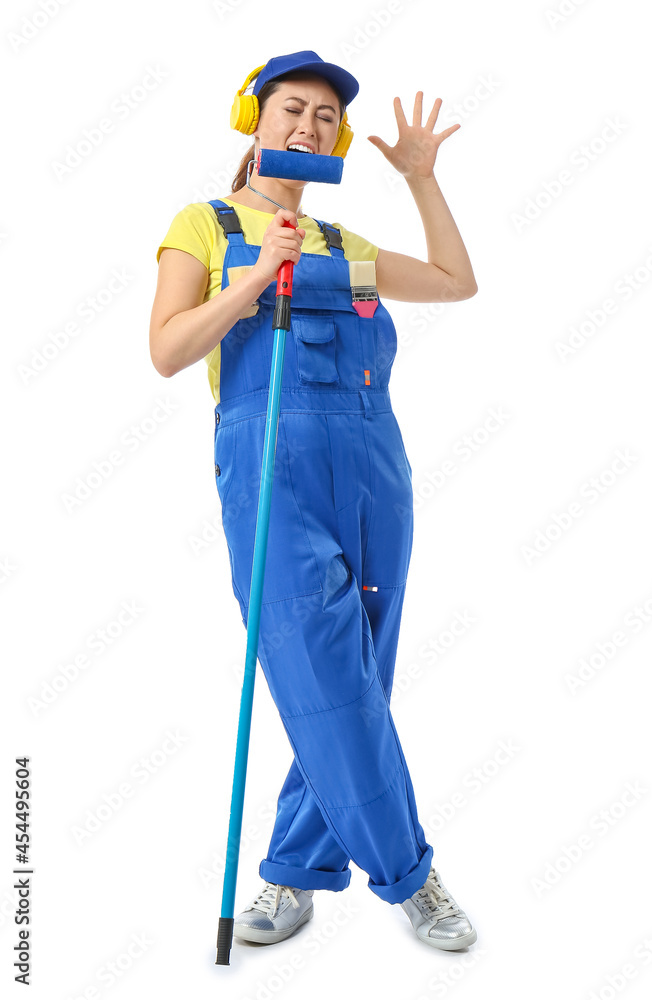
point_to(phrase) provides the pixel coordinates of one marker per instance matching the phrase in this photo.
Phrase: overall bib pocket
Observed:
(314, 337)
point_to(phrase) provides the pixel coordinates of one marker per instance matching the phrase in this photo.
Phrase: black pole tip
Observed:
(224, 940)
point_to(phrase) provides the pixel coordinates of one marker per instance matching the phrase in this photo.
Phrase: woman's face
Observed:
(304, 111)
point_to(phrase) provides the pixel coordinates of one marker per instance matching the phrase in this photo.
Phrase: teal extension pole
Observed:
(281, 323)
(297, 166)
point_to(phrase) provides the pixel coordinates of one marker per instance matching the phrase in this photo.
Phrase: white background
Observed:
(537, 94)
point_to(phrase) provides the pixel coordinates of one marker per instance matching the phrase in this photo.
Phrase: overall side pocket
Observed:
(224, 455)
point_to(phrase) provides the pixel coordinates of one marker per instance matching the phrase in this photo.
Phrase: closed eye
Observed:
(294, 111)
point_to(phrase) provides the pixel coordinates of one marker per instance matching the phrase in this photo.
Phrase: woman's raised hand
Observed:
(279, 243)
(416, 149)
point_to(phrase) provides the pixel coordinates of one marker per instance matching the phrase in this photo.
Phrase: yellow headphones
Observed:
(246, 112)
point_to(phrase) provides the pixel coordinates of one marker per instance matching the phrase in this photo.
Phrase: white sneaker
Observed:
(276, 913)
(437, 918)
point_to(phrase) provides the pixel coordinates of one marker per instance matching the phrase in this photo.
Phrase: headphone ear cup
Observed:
(344, 138)
(245, 113)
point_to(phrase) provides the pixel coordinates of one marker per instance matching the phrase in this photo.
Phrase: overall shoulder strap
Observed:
(333, 238)
(229, 221)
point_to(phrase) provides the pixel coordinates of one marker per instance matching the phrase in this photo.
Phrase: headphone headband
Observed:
(253, 73)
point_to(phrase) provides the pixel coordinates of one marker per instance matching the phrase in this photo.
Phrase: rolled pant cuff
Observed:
(399, 891)
(304, 878)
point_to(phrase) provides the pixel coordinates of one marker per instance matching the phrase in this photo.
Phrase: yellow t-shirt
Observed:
(196, 230)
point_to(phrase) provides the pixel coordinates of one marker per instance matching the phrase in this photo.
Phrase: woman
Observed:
(340, 533)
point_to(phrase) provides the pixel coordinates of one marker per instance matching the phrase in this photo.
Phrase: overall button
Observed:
(218, 471)
(217, 419)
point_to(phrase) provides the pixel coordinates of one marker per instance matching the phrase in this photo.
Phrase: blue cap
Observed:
(346, 84)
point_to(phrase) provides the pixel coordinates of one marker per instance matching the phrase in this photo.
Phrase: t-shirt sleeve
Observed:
(356, 247)
(192, 230)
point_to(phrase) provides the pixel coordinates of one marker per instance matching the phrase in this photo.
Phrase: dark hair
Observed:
(266, 91)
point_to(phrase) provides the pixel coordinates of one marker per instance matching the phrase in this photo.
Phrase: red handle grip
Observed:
(285, 272)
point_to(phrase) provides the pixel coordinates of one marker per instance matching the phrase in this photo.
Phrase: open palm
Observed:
(416, 149)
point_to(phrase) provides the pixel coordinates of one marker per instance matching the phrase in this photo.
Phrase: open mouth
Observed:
(297, 147)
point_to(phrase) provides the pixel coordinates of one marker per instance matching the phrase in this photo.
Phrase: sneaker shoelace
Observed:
(269, 899)
(434, 899)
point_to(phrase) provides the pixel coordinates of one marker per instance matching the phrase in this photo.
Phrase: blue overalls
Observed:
(339, 545)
